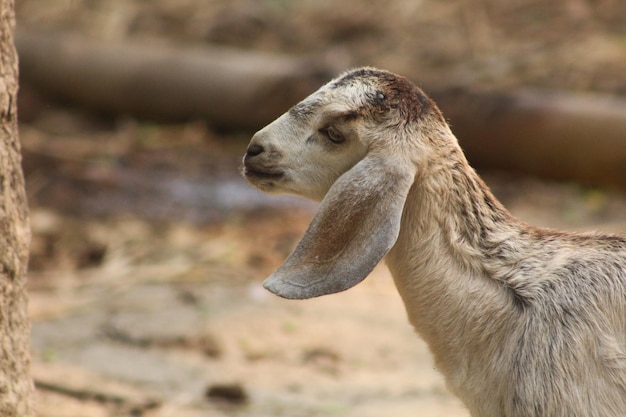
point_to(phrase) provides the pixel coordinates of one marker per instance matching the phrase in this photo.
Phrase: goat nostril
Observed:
(254, 150)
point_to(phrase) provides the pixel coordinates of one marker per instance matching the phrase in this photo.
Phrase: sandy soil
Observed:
(136, 313)
(149, 250)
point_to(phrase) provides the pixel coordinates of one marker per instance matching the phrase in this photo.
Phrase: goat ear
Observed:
(357, 224)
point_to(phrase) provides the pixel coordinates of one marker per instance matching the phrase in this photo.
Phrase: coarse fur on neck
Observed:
(469, 272)
(521, 321)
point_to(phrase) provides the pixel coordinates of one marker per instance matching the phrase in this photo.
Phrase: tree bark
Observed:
(16, 387)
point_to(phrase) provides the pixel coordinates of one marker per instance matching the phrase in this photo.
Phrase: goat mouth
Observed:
(263, 175)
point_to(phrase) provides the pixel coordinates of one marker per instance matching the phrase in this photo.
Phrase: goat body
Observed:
(521, 321)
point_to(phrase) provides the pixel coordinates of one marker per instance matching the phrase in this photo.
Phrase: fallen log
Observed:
(550, 135)
(560, 136)
(229, 88)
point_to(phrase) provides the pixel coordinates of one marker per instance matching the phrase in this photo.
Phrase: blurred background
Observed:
(149, 248)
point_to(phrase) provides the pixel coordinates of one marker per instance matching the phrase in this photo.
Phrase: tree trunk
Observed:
(16, 388)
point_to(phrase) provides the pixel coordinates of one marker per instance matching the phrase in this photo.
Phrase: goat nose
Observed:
(254, 149)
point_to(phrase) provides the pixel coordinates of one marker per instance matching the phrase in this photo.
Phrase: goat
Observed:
(521, 321)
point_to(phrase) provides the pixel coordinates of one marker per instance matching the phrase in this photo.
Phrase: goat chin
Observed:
(521, 321)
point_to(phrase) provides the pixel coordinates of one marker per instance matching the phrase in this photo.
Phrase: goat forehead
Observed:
(360, 76)
(326, 99)
(370, 90)
(368, 83)
(307, 108)
(356, 88)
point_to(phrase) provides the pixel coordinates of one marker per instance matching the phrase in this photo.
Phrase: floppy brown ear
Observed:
(357, 224)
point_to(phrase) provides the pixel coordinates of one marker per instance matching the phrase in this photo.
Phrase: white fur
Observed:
(521, 321)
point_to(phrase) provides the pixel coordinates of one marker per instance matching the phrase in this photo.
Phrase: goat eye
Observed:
(333, 134)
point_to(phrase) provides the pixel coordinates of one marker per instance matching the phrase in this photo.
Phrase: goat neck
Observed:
(443, 265)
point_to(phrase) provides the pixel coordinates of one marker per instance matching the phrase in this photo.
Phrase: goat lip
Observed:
(263, 175)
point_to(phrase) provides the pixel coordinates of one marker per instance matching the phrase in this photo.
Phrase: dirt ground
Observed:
(149, 250)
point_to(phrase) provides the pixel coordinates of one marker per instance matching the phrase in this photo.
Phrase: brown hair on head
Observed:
(392, 92)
